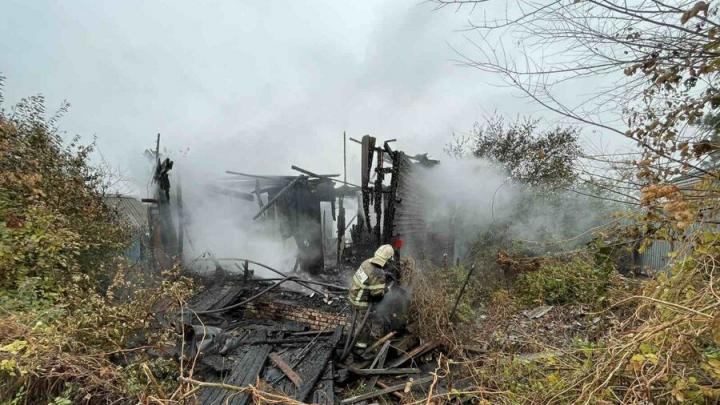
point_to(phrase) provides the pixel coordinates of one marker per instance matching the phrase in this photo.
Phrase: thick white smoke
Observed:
(222, 226)
(467, 197)
(471, 196)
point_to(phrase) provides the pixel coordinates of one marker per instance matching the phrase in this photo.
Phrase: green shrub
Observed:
(54, 226)
(75, 316)
(577, 281)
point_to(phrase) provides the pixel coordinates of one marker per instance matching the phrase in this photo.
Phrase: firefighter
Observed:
(369, 285)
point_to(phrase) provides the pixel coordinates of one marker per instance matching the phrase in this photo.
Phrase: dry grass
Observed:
(658, 344)
(669, 349)
(433, 297)
(88, 347)
(48, 359)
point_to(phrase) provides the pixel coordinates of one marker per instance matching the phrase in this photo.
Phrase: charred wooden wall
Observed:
(420, 240)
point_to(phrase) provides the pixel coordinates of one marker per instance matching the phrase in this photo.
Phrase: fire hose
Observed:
(246, 301)
(278, 272)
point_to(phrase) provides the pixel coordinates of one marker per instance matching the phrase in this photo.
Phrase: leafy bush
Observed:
(578, 281)
(54, 226)
(67, 336)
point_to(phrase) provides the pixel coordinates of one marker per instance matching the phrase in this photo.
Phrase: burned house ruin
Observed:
(388, 201)
(287, 329)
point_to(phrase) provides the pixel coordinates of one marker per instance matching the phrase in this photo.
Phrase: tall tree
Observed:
(531, 156)
(662, 59)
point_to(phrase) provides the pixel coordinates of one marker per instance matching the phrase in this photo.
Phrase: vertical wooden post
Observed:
(378, 196)
(341, 208)
(460, 294)
(157, 150)
(181, 219)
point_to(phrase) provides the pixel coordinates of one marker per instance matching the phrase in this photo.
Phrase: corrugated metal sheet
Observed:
(655, 258)
(130, 209)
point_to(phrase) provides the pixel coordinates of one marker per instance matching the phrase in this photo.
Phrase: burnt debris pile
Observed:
(290, 343)
(292, 333)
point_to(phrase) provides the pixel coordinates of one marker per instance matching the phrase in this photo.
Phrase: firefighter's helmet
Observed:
(382, 255)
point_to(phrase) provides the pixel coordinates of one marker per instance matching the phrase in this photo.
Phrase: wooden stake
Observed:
(462, 290)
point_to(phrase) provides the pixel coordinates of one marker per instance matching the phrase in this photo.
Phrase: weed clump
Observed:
(434, 292)
(577, 281)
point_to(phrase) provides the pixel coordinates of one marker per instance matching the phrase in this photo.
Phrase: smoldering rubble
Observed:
(275, 254)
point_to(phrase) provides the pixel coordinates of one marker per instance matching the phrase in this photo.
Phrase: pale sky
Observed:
(251, 86)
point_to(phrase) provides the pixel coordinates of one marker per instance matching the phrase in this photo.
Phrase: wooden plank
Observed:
(379, 342)
(324, 393)
(325, 353)
(215, 395)
(286, 369)
(205, 299)
(230, 295)
(215, 297)
(212, 395)
(247, 377)
(379, 362)
(424, 348)
(396, 394)
(312, 332)
(244, 373)
(383, 371)
(384, 391)
(305, 364)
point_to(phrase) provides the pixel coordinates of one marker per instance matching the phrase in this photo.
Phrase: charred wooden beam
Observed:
(396, 394)
(383, 371)
(244, 373)
(422, 349)
(311, 174)
(378, 197)
(380, 342)
(389, 220)
(325, 357)
(257, 176)
(323, 176)
(366, 160)
(379, 362)
(278, 195)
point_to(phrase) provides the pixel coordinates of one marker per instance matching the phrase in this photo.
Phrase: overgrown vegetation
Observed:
(434, 293)
(530, 155)
(71, 332)
(657, 343)
(579, 281)
(606, 339)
